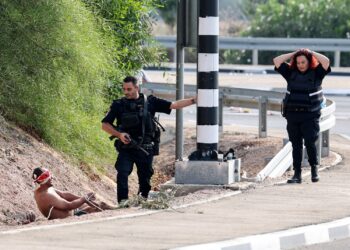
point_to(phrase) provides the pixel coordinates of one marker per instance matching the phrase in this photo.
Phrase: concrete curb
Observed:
(285, 239)
(307, 173)
(117, 217)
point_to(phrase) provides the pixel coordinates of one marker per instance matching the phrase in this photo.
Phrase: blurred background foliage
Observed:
(275, 18)
(294, 19)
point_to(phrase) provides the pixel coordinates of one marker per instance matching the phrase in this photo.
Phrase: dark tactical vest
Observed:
(304, 93)
(138, 122)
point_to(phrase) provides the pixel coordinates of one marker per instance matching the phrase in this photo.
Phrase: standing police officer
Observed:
(302, 104)
(138, 134)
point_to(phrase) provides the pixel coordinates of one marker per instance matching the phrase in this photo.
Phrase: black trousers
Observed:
(303, 126)
(124, 165)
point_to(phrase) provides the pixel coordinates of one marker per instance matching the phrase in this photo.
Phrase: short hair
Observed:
(37, 172)
(131, 79)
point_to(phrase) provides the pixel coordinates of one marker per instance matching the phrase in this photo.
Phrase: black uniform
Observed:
(132, 119)
(302, 110)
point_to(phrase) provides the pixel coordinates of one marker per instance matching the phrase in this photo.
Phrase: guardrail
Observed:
(263, 101)
(284, 159)
(273, 44)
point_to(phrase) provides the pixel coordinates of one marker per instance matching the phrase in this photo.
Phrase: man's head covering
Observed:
(41, 175)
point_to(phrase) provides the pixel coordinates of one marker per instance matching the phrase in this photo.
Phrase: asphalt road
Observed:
(249, 117)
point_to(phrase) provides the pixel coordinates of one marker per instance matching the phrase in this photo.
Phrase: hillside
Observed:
(20, 153)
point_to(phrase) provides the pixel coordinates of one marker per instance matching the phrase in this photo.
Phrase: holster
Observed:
(118, 144)
(284, 106)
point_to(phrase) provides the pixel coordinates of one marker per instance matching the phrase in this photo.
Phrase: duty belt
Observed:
(310, 94)
(299, 109)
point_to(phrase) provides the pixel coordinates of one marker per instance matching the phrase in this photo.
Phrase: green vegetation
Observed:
(57, 60)
(55, 64)
(130, 22)
(297, 18)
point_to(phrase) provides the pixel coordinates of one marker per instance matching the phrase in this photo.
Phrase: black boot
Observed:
(296, 177)
(314, 174)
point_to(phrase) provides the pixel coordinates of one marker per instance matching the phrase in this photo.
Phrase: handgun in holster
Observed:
(284, 105)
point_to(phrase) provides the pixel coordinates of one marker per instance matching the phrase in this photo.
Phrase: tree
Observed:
(130, 22)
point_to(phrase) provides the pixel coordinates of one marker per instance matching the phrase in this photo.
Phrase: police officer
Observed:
(302, 104)
(137, 134)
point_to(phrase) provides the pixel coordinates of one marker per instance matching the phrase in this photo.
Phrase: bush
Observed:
(55, 65)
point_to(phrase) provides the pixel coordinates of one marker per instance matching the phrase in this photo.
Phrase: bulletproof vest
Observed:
(135, 121)
(304, 92)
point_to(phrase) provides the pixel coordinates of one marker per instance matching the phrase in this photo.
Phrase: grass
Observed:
(56, 65)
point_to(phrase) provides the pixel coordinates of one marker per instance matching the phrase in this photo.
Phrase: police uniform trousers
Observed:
(303, 126)
(124, 165)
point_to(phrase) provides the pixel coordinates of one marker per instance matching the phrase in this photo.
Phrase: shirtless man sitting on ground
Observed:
(55, 204)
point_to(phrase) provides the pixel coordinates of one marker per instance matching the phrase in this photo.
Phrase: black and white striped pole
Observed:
(207, 81)
(204, 166)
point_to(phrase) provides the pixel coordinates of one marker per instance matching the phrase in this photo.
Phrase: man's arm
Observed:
(67, 195)
(59, 203)
(124, 137)
(183, 103)
(108, 120)
(282, 58)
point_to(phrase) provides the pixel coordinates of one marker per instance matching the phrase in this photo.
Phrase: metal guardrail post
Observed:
(263, 117)
(337, 58)
(319, 148)
(255, 57)
(325, 144)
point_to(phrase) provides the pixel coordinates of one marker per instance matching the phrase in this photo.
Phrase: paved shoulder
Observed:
(260, 211)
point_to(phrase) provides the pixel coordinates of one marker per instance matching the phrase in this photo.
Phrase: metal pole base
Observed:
(203, 155)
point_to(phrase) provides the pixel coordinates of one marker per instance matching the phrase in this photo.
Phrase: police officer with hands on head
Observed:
(302, 104)
(138, 133)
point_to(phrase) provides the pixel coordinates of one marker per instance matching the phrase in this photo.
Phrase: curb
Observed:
(117, 217)
(286, 239)
(337, 160)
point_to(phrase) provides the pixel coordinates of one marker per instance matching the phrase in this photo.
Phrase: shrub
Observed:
(55, 65)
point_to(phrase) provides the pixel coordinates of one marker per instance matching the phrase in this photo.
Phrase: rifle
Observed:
(132, 144)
